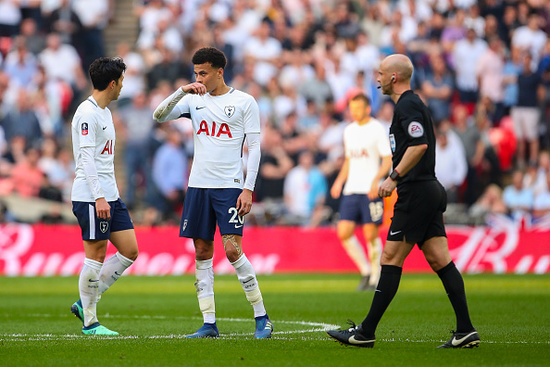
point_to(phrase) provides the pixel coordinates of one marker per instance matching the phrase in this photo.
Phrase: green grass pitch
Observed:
(511, 313)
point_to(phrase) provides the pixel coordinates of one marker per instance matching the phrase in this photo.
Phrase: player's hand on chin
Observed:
(194, 88)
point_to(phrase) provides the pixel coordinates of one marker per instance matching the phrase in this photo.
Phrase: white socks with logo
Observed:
(204, 274)
(88, 285)
(247, 277)
(112, 269)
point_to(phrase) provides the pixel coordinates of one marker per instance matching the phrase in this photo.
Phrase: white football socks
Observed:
(204, 275)
(112, 269)
(247, 277)
(375, 251)
(88, 286)
(357, 254)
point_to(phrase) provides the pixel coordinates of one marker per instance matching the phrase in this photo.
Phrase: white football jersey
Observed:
(220, 125)
(92, 126)
(364, 145)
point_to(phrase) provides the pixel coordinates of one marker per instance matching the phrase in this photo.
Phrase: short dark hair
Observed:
(105, 69)
(361, 97)
(211, 55)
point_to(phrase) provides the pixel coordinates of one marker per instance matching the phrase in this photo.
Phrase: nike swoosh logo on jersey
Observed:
(394, 233)
(352, 340)
(200, 108)
(93, 281)
(238, 226)
(456, 342)
(104, 127)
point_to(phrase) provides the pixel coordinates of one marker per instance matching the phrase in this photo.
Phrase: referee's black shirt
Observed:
(412, 125)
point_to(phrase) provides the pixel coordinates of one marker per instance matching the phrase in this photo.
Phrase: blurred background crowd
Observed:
(482, 67)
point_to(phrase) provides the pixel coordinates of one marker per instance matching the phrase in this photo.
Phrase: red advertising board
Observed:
(41, 250)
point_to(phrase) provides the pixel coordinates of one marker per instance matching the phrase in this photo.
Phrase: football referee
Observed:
(418, 212)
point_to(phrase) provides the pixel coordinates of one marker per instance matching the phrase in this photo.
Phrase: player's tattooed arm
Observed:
(230, 240)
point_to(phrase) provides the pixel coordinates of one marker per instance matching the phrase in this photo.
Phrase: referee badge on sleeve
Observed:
(416, 130)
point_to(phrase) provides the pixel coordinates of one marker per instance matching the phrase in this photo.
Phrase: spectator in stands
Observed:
(94, 16)
(508, 25)
(138, 126)
(512, 68)
(530, 38)
(170, 174)
(489, 71)
(544, 71)
(61, 61)
(470, 136)
(317, 88)
(10, 17)
(20, 64)
(490, 202)
(34, 40)
(526, 112)
(65, 22)
(265, 51)
(166, 32)
(465, 56)
(450, 160)
(27, 177)
(438, 88)
(541, 206)
(275, 164)
(21, 120)
(305, 189)
(168, 69)
(519, 200)
(539, 182)
(134, 77)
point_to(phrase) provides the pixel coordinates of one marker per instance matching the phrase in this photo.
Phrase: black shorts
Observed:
(418, 212)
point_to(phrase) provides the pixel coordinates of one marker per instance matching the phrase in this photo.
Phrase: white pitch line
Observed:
(51, 337)
(278, 335)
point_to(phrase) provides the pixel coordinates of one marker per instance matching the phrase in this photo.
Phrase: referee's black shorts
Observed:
(418, 212)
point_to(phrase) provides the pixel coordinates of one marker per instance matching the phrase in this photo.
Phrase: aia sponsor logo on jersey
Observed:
(84, 128)
(359, 153)
(216, 130)
(108, 148)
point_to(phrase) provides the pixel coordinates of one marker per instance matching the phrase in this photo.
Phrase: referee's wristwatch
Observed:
(395, 175)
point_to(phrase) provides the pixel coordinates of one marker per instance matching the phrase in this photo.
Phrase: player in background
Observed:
(223, 119)
(101, 214)
(418, 212)
(368, 160)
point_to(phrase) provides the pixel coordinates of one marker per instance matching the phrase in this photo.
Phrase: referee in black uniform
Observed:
(418, 212)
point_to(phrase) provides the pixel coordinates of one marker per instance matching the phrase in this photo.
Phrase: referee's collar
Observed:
(408, 91)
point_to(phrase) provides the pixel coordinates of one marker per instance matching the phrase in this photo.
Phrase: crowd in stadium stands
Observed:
(482, 67)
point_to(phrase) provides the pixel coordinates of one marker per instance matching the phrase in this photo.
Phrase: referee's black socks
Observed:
(390, 276)
(454, 286)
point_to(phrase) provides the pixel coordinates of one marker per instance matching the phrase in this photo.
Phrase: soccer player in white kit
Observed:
(368, 160)
(223, 119)
(101, 214)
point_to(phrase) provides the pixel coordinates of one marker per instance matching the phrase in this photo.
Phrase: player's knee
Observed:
(132, 254)
(343, 235)
(232, 254)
